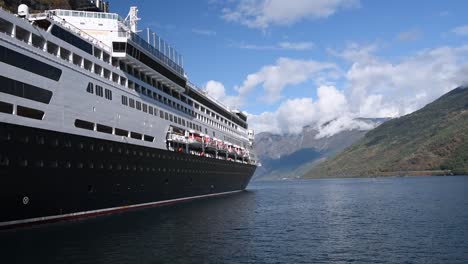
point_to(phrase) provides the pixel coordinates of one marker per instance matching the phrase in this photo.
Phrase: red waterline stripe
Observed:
(106, 211)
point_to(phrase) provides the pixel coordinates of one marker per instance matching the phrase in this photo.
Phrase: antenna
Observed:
(133, 19)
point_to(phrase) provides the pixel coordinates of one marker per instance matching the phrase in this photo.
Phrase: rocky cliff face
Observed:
(292, 155)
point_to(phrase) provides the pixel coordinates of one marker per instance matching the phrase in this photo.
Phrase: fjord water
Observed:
(375, 220)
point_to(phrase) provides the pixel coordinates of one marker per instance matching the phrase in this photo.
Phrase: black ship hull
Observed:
(47, 175)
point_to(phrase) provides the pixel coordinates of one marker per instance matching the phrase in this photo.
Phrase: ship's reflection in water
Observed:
(416, 220)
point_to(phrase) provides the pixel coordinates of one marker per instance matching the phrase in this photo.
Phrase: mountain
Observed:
(433, 138)
(292, 155)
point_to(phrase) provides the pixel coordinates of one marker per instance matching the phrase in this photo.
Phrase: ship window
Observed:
(119, 46)
(88, 65)
(97, 53)
(72, 39)
(166, 116)
(108, 94)
(104, 129)
(84, 124)
(161, 114)
(65, 54)
(97, 69)
(121, 132)
(135, 135)
(150, 110)
(99, 91)
(6, 108)
(37, 41)
(183, 122)
(138, 105)
(5, 26)
(148, 138)
(106, 57)
(90, 88)
(77, 60)
(124, 100)
(145, 108)
(115, 77)
(29, 112)
(131, 103)
(27, 63)
(170, 117)
(52, 48)
(107, 74)
(22, 34)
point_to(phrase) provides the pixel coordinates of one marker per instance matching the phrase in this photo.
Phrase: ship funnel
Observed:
(23, 11)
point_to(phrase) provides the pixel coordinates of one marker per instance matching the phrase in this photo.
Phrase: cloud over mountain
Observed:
(370, 87)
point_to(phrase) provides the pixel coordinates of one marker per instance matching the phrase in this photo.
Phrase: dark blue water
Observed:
(381, 220)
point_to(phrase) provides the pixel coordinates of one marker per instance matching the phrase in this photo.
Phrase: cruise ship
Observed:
(98, 116)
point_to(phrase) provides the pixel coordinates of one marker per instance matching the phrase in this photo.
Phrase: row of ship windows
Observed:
(154, 111)
(5, 161)
(23, 111)
(110, 130)
(55, 142)
(99, 91)
(24, 90)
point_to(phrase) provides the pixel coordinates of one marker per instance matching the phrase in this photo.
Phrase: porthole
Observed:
(54, 164)
(4, 161)
(23, 162)
(39, 163)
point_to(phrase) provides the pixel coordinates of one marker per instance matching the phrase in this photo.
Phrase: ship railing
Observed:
(79, 32)
(161, 56)
(204, 93)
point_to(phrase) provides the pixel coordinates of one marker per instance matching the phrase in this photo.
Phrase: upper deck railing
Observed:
(170, 58)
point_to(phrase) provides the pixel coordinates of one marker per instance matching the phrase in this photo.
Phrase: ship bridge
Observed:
(142, 50)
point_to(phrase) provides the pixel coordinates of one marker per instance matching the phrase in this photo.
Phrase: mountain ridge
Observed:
(432, 138)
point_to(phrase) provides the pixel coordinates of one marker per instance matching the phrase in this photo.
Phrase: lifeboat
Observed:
(210, 143)
(194, 139)
(176, 136)
(220, 146)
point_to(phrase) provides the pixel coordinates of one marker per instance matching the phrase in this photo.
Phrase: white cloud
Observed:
(264, 13)
(461, 30)
(298, 46)
(216, 91)
(411, 35)
(374, 87)
(205, 32)
(379, 88)
(292, 115)
(274, 78)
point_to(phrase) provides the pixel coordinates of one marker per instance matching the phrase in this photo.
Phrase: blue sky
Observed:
(299, 62)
